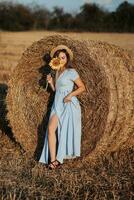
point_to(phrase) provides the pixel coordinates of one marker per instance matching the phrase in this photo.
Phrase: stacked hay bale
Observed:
(102, 69)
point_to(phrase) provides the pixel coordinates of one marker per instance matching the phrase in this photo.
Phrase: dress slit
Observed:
(56, 130)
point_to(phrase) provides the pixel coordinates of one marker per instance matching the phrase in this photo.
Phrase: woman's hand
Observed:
(51, 81)
(49, 78)
(67, 98)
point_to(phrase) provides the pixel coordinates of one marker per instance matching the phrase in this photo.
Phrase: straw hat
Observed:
(59, 47)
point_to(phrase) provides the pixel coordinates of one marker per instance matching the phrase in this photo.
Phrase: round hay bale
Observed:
(107, 74)
(118, 65)
(29, 104)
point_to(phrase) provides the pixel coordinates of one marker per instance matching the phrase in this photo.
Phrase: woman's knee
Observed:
(52, 125)
(50, 129)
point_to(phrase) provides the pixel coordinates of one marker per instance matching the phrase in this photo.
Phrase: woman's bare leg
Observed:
(52, 136)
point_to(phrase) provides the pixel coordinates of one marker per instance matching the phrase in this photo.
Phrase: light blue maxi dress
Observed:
(69, 119)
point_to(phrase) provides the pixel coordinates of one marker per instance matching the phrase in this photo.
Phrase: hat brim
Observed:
(60, 47)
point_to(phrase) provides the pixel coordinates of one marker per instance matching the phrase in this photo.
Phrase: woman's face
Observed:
(63, 58)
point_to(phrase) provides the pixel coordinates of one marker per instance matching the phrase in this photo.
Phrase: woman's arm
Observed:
(51, 81)
(52, 86)
(81, 87)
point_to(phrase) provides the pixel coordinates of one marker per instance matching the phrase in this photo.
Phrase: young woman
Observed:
(65, 112)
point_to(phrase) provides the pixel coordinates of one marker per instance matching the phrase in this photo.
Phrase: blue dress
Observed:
(69, 119)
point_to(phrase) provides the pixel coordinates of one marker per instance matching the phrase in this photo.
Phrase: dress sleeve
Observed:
(74, 74)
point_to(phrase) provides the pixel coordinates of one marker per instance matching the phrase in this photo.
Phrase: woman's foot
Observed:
(57, 162)
(54, 164)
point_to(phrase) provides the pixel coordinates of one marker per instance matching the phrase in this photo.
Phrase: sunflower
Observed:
(55, 63)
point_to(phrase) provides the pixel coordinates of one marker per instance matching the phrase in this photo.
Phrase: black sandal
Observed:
(58, 162)
(52, 162)
(55, 165)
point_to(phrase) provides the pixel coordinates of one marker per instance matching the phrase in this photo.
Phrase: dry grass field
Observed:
(22, 177)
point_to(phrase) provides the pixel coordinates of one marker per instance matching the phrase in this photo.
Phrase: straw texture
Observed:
(107, 105)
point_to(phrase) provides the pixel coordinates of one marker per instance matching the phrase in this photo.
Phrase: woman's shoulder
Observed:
(71, 69)
(73, 73)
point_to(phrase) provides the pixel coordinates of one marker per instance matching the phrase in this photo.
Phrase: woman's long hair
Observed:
(69, 63)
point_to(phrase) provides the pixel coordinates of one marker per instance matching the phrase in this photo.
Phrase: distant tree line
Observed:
(91, 17)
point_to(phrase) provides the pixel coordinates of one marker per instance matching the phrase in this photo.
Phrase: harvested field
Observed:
(105, 168)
